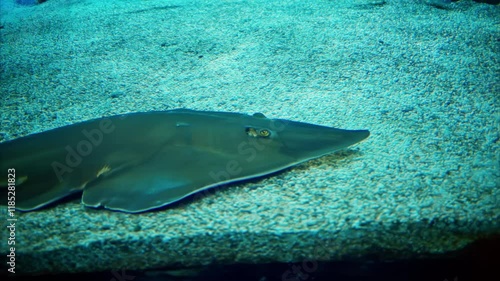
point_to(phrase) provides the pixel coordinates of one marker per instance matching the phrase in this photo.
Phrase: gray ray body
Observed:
(141, 161)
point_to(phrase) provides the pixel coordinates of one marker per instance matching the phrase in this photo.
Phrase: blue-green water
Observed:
(422, 76)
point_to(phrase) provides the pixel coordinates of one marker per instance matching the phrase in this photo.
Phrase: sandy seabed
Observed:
(423, 80)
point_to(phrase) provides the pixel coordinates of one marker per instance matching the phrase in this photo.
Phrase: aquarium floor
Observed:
(423, 80)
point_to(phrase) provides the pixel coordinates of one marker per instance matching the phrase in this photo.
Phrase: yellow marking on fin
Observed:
(103, 170)
(19, 181)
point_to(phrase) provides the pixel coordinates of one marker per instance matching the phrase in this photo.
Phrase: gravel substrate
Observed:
(424, 80)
